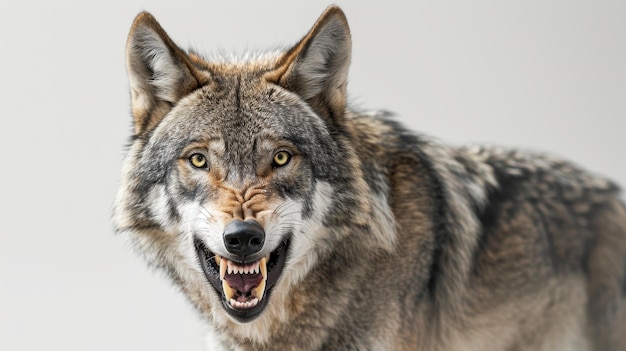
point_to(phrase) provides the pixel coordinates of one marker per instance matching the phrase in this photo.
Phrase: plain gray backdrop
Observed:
(540, 75)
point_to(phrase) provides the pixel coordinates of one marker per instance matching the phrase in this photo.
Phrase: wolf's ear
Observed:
(160, 73)
(317, 67)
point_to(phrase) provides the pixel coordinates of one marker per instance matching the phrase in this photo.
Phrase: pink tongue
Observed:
(243, 282)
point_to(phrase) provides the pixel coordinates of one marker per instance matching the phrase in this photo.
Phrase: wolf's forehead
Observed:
(239, 109)
(238, 113)
(233, 126)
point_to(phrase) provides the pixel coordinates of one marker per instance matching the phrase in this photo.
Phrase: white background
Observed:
(542, 75)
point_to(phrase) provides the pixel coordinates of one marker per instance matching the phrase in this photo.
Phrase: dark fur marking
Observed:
(238, 93)
(492, 214)
(172, 212)
(441, 230)
(143, 226)
(191, 194)
(307, 210)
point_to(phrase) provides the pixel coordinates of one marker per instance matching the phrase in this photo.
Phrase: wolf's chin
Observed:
(244, 287)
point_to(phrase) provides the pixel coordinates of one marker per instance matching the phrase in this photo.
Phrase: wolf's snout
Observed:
(244, 238)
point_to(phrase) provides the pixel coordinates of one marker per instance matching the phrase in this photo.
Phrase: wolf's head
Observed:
(236, 170)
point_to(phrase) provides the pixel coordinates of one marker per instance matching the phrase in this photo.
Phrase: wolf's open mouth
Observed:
(244, 286)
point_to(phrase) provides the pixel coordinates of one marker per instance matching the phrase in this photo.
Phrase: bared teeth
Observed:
(230, 267)
(227, 266)
(243, 305)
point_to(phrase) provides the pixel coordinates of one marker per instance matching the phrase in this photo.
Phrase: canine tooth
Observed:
(223, 265)
(259, 291)
(218, 259)
(263, 267)
(229, 292)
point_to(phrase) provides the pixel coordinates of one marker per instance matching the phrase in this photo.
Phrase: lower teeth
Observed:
(247, 304)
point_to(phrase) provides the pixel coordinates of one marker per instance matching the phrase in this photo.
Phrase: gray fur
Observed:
(397, 241)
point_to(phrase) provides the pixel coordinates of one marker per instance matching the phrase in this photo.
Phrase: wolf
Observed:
(292, 221)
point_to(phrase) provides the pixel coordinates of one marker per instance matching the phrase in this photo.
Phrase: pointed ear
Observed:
(160, 73)
(317, 67)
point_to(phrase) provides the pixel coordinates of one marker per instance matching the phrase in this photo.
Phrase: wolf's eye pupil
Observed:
(281, 158)
(198, 160)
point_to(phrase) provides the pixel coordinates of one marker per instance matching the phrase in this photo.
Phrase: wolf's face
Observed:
(234, 168)
(230, 169)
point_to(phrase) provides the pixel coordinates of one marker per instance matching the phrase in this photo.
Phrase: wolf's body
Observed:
(372, 237)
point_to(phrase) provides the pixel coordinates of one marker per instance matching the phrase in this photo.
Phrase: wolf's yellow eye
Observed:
(198, 160)
(281, 158)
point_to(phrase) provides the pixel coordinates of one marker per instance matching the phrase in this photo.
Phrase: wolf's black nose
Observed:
(244, 238)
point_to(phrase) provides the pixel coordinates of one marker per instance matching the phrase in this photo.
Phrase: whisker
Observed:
(204, 211)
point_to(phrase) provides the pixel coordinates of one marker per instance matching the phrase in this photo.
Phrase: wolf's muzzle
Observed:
(245, 278)
(244, 238)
